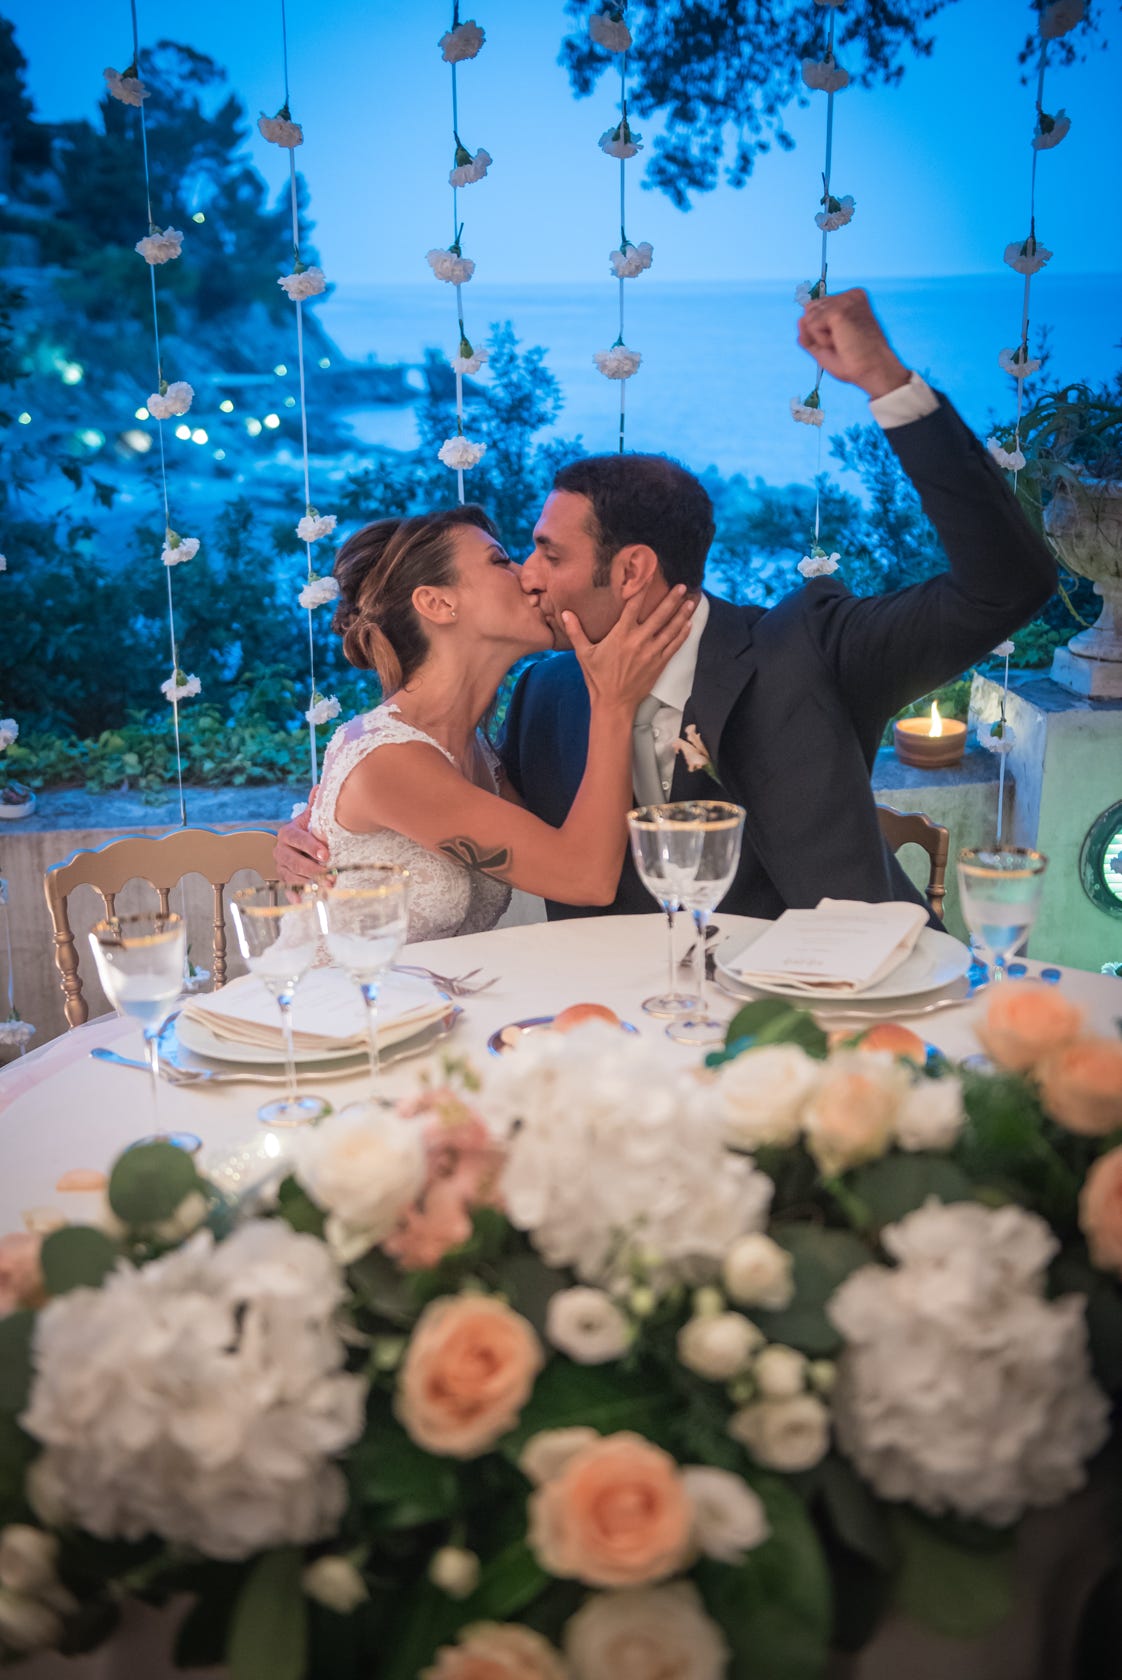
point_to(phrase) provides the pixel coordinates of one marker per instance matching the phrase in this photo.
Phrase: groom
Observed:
(789, 703)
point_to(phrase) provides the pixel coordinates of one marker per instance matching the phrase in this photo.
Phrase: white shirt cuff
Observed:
(908, 402)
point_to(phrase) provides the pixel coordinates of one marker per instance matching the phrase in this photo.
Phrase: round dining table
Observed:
(60, 1110)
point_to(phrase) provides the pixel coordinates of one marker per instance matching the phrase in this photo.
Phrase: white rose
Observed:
(729, 1518)
(364, 1170)
(718, 1347)
(587, 1325)
(757, 1273)
(546, 1454)
(335, 1583)
(931, 1115)
(644, 1632)
(27, 1558)
(783, 1434)
(762, 1094)
(780, 1372)
(455, 1571)
(27, 1625)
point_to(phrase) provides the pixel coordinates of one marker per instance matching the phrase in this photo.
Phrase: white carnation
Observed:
(176, 549)
(1050, 130)
(465, 41)
(202, 1397)
(1004, 649)
(467, 168)
(1011, 459)
(315, 525)
(129, 89)
(630, 260)
(824, 75)
(729, 1518)
(472, 363)
(931, 1115)
(808, 413)
(608, 30)
(809, 291)
(758, 1273)
(718, 1346)
(787, 1435)
(761, 1095)
(837, 212)
(323, 710)
(646, 1631)
(177, 399)
(450, 266)
(363, 1170)
(1018, 362)
(1060, 16)
(999, 738)
(1027, 256)
(459, 452)
(619, 362)
(281, 131)
(9, 732)
(961, 1388)
(318, 592)
(780, 1372)
(621, 141)
(818, 564)
(160, 246)
(180, 687)
(587, 1325)
(303, 283)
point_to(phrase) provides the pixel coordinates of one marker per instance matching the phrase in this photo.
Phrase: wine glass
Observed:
(1000, 890)
(140, 963)
(363, 911)
(666, 857)
(721, 827)
(279, 940)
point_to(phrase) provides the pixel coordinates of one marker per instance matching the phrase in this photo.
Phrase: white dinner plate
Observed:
(196, 1037)
(935, 961)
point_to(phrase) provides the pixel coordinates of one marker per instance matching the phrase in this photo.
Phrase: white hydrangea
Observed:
(319, 592)
(160, 246)
(363, 1170)
(1018, 362)
(1027, 256)
(465, 41)
(961, 1388)
(818, 563)
(177, 549)
(323, 709)
(1060, 16)
(281, 130)
(176, 399)
(630, 260)
(617, 1154)
(621, 141)
(179, 686)
(470, 363)
(608, 30)
(1011, 459)
(467, 168)
(315, 525)
(837, 212)
(824, 75)
(201, 1397)
(303, 283)
(619, 362)
(459, 452)
(450, 266)
(1050, 130)
(808, 412)
(126, 86)
(9, 732)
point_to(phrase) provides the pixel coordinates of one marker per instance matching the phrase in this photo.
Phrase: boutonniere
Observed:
(695, 752)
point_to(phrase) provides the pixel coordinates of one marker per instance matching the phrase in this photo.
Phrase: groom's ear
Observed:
(635, 566)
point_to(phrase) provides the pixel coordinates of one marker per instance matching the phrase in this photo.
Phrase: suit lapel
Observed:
(726, 664)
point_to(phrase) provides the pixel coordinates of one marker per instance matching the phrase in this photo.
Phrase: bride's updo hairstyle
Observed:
(377, 571)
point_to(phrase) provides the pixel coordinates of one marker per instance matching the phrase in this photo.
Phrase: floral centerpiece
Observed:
(599, 1366)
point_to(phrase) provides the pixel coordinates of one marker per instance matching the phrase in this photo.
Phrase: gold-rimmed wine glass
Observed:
(279, 939)
(721, 829)
(666, 857)
(1000, 889)
(363, 911)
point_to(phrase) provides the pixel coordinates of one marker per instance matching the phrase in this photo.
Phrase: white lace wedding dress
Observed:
(446, 898)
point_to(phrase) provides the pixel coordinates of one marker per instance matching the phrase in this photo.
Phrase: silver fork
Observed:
(457, 984)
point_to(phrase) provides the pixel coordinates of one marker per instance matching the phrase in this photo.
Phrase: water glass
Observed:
(721, 828)
(140, 963)
(666, 857)
(279, 939)
(1000, 890)
(363, 912)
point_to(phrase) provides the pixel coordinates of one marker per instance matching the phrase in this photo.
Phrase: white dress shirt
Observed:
(675, 685)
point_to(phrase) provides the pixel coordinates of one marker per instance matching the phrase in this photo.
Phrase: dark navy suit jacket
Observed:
(792, 701)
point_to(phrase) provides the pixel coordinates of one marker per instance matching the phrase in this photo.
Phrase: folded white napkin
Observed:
(842, 946)
(328, 1012)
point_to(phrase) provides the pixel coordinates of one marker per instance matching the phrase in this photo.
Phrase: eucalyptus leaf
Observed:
(857, 1519)
(149, 1181)
(508, 1583)
(897, 1184)
(76, 1257)
(823, 1260)
(16, 1331)
(269, 1630)
(601, 1397)
(959, 1591)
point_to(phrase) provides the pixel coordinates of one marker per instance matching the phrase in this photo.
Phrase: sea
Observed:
(720, 360)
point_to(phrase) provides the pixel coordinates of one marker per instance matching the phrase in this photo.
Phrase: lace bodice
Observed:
(446, 898)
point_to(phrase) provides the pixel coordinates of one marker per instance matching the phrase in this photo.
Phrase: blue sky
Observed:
(939, 166)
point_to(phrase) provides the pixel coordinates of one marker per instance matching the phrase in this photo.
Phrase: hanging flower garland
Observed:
(304, 282)
(608, 28)
(822, 75)
(462, 42)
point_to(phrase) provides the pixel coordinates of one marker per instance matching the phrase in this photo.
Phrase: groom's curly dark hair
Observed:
(644, 499)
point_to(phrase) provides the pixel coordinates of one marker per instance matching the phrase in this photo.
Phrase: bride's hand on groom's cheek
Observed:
(620, 669)
(299, 856)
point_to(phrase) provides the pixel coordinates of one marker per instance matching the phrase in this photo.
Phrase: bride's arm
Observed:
(412, 788)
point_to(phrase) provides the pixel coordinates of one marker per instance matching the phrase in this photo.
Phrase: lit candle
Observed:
(929, 743)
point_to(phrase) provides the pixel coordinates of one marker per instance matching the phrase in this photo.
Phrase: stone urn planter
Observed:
(1083, 523)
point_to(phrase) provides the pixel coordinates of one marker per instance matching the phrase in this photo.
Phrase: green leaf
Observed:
(269, 1632)
(529, 1285)
(769, 1021)
(149, 1181)
(601, 1397)
(76, 1257)
(297, 1208)
(958, 1591)
(16, 1331)
(383, 1287)
(509, 1582)
(387, 1468)
(859, 1522)
(16, 1453)
(823, 1260)
(427, 1618)
(898, 1184)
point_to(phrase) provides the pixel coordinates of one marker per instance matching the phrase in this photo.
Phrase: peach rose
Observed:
(1100, 1211)
(1081, 1086)
(21, 1281)
(497, 1651)
(617, 1515)
(1024, 1021)
(463, 1166)
(852, 1115)
(467, 1372)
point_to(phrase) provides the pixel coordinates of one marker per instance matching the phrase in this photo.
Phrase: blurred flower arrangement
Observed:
(598, 1357)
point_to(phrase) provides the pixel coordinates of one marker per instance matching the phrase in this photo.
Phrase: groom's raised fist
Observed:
(844, 335)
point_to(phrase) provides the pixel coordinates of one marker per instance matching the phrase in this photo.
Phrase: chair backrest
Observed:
(162, 860)
(900, 827)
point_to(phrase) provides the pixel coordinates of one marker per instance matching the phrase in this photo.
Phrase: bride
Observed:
(435, 606)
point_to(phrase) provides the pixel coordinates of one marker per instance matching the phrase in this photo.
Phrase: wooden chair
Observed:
(162, 860)
(900, 827)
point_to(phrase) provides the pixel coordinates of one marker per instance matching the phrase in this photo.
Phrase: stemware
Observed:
(140, 963)
(721, 827)
(666, 857)
(1000, 890)
(363, 911)
(279, 939)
